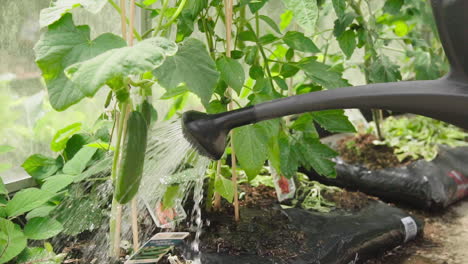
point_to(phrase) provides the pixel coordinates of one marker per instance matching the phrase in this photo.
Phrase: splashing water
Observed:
(170, 159)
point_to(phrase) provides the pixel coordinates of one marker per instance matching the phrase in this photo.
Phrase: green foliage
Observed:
(192, 67)
(40, 228)
(27, 200)
(250, 144)
(305, 13)
(420, 137)
(62, 45)
(298, 41)
(232, 73)
(225, 188)
(12, 240)
(61, 7)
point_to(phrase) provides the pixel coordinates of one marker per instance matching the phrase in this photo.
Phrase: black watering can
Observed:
(444, 99)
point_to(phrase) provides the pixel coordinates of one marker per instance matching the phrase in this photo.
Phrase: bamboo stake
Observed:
(217, 200)
(228, 11)
(118, 230)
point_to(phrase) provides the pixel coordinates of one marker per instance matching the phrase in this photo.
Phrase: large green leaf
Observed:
(119, 63)
(12, 240)
(314, 154)
(59, 142)
(61, 7)
(57, 183)
(27, 200)
(232, 73)
(305, 13)
(62, 45)
(193, 67)
(79, 162)
(251, 148)
(40, 167)
(40, 228)
(347, 42)
(225, 188)
(36, 255)
(42, 211)
(297, 40)
(340, 7)
(323, 75)
(334, 121)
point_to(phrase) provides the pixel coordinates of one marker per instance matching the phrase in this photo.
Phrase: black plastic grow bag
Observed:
(424, 184)
(338, 237)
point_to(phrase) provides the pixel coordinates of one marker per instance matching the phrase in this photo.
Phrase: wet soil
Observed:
(360, 149)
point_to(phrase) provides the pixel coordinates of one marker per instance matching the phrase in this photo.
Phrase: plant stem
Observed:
(158, 27)
(118, 9)
(217, 199)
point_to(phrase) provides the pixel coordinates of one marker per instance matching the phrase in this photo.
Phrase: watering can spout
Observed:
(444, 99)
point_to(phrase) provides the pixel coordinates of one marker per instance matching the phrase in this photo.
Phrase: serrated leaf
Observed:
(323, 75)
(79, 162)
(305, 13)
(271, 23)
(225, 188)
(334, 121)
(232, 73)
(62, 45)
(40, 167)
(27, 200)
(317, 156)
(60, 139)
(383, 70)
(12, 240)
(347, 42)
(251, 148)
(61, 7)
(57, 183)
(298, 41)
(40, 228)
(192, 66)
(117, 64)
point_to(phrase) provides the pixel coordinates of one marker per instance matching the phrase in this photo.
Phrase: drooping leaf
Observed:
(334, 121)
(251, 148)
(383, 70)
(59, 142)
(342, 23)
(191, 66)
(323, 75)
(225, 188)
(62, 45)
(40, 167)
(297, 40)
(79, 162)
(27, 200)
(347, 42)
(117, 64)
(12, 240)
(305, 13)
(340, 7)
(57, 183)
(232, 73)
(271, 23)
(40, 228)
(61, 7)
(42, 211)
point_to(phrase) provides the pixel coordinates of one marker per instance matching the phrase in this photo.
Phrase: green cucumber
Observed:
(130, 169)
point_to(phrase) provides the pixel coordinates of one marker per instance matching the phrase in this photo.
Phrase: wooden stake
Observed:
(136, 243)
(217, 199)
(118, 230)
(228, 10)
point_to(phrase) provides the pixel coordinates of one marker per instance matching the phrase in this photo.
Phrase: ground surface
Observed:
(445, 240)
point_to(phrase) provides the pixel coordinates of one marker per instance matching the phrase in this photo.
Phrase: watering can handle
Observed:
(452, 23)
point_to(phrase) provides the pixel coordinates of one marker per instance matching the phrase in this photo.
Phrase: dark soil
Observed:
(359, 149)
(348, 200)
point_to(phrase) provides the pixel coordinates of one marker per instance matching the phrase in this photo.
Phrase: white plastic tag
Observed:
(411, 229)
